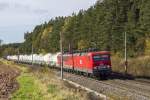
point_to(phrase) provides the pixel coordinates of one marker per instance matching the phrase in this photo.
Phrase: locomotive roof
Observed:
(100, 52)
(87, 53)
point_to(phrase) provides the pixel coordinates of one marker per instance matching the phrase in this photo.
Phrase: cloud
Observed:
(17, 16)
(29, 9)
(21, 6)
(3, 6)
(40, 11)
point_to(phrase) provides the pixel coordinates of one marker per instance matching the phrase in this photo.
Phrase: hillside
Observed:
(102, 26)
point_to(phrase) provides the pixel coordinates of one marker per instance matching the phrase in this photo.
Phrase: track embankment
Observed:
(8, 83)
(118, 89)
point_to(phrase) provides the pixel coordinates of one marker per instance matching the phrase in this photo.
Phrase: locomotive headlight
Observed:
(95, 67)
(108, 66)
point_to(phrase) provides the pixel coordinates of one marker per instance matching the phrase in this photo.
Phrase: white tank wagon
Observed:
(53, 60)
(8, 57)
(25, 59)
(14, 58)
(41, 59)
(47, 58)
(35, 59)
(38, 59)
(21, 58)
(30, 59)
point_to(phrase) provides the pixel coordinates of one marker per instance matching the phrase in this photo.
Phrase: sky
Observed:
(20, 16)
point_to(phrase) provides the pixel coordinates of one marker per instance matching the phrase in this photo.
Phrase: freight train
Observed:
(92, 63)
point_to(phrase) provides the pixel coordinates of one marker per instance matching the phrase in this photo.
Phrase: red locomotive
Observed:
(95, 63)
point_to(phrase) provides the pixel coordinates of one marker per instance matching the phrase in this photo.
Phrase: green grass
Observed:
(42, 84)
(29, 89)
(52, 88)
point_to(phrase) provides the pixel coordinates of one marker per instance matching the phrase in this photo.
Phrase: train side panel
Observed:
(77, 62)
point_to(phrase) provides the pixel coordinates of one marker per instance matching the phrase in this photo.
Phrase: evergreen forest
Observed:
(102, 26)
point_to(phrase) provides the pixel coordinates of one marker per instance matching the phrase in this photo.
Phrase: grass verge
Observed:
(29, 89)
(43, 84)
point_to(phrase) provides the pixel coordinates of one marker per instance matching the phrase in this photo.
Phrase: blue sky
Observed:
(20, 16)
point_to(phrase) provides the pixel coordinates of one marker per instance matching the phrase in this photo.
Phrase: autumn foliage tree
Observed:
(102, 26)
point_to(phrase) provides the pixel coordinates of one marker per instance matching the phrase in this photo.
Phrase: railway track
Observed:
(143, 80)
(121, 89)
(133, 86)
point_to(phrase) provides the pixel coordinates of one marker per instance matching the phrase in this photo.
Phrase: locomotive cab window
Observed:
(101, 57)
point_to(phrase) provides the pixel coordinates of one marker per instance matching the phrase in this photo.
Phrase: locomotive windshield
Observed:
(101, 57)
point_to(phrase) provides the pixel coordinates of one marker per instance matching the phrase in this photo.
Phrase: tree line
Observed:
(102, 26)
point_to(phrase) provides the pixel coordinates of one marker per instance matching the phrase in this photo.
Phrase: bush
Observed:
(139, 66)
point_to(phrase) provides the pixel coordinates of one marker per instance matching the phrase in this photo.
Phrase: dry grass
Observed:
(41, 83)
(56, 89)
(136, 66)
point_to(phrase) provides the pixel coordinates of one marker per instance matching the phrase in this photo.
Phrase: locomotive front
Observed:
(101, 63)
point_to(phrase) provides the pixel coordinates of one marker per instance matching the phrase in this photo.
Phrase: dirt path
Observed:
(8, 82)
